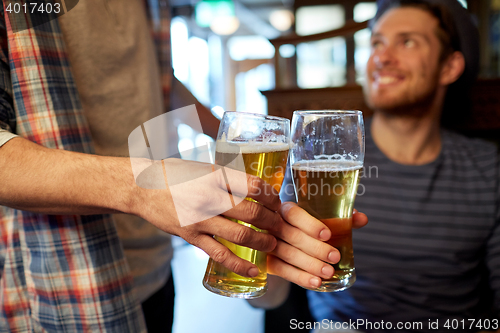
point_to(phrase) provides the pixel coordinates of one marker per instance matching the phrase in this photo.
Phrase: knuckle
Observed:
(254, 183)
(254, 211)
(280, 250)
(312, 266)
(220, 255)
(287, 255)
(296, 236)
(320, 250)
(264, 242)
(189, 237)
(269, 242)
(243, 235)
(286, 252)
(214, 202)
(237, 266)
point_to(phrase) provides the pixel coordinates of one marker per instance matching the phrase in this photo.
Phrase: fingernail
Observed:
(253, 272)
(333, 257)
(315, 282)
(327, 271)
(324, 235)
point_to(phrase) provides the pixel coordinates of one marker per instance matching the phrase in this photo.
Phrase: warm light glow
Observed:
(225, 25)
(282, 19)
(315, 19)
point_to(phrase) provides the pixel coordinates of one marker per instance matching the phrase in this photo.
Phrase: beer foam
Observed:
(327, 165)
(250, 147)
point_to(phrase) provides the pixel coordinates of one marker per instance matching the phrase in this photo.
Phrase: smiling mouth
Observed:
(386, 79)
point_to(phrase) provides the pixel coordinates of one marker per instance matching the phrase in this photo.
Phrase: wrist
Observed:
(133, 197)
(145, 185)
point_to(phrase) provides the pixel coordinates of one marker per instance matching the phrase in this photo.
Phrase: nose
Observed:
(384, 56)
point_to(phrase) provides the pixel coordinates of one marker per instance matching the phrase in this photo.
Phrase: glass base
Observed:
(333, 285)
(235, 290)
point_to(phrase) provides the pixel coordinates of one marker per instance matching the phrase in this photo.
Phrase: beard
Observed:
(410, 103)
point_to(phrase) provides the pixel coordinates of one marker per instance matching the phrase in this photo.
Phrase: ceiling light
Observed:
(225, 25)
(281, 19)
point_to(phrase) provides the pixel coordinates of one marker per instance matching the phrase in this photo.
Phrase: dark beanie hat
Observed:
(466, 27)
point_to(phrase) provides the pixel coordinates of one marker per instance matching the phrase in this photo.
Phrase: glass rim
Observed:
(327, 112)
(259, 115)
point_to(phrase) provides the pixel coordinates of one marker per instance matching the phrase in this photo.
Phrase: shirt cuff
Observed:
(5, 136)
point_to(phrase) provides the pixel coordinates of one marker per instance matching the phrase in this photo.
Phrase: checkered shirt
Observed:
(60, 273)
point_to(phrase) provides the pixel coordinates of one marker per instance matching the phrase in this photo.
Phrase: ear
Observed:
(452, 68)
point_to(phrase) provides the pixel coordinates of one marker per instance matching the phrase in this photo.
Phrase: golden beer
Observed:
(267, 161)
(326, 189)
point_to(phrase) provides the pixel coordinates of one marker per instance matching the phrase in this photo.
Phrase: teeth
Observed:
(386, 79)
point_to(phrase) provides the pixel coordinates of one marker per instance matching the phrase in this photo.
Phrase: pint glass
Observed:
(261, 143)
(327, 155)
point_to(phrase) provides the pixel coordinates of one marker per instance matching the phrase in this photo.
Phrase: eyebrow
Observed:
(404, 34)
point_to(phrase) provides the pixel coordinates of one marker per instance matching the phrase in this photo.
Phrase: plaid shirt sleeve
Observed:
(57, 273)
(7, 114)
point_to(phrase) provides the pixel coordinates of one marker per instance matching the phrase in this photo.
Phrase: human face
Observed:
(404, 68)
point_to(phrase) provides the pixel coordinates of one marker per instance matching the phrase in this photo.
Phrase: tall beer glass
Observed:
(327, 155)
(263, 142)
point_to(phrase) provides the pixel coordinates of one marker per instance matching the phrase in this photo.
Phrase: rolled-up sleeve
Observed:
(5, 136)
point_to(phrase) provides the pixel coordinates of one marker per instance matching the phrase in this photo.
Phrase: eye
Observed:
(409, 43)
(376, 44)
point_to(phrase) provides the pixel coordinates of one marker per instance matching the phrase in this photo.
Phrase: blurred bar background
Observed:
(274, 57)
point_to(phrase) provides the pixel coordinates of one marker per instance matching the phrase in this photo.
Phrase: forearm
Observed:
(51, 181)
(276, 295)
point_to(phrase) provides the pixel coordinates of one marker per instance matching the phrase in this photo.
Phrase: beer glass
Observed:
(263, 143)
(326, 156)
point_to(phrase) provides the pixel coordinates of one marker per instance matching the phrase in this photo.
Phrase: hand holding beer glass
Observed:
(326, 157)
(258, 145)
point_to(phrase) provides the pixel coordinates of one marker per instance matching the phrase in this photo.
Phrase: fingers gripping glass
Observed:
(327, 155)
(258, 145)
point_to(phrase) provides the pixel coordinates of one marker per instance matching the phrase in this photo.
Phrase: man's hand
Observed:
(203, 199)
(301, 255)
